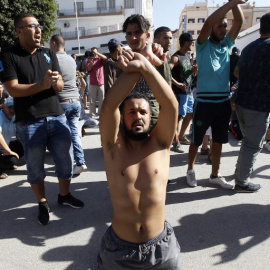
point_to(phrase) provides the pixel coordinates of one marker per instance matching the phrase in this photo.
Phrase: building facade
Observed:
(193, 16)
(90, 23)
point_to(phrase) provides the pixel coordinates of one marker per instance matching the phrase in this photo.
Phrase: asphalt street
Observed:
(217, 229)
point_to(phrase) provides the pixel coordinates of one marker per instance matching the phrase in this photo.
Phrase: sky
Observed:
(167, 12)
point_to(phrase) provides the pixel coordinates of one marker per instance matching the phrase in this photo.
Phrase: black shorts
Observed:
(162, 252)
(216, 115)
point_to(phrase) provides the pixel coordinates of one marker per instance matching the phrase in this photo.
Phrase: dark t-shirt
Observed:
(111, 73)
(182, 73)
(29, 68)
(234, 58)
(165, 71)
(254, 79)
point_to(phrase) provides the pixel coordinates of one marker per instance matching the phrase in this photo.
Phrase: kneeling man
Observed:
(137, 167)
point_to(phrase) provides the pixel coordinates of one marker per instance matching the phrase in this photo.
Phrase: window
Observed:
(229, 22)
(101, 5)
(191, 32)
(191, 20)
(128, 3)
(198, 32)
(112, 4)
(258, 19)
(79, 6)
(201, 20)
(245, 20)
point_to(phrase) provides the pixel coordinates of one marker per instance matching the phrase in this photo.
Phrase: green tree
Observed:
(44, 10)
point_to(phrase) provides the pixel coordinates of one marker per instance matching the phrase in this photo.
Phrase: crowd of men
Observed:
(141, 93)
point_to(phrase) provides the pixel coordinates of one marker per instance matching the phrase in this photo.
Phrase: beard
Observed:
(215, 37)
(135, 135)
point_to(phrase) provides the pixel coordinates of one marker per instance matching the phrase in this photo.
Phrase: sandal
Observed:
(3, 176)
(205, 151)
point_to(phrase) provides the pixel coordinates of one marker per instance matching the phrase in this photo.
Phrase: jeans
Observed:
(72, 111)
(253, 125)
(37, 134)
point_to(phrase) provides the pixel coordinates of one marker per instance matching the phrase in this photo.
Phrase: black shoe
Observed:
(250, 187)
(70, 200)
(43, 213)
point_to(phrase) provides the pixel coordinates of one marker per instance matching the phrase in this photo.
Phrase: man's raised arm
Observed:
(218, 14)
(238, 18)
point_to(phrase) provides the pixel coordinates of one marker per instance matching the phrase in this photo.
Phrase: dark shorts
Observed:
(162, 252)
(216, 115)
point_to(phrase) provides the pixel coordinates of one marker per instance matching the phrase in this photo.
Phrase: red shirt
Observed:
(96, 73)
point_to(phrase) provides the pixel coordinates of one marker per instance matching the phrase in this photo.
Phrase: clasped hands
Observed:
(131, 61)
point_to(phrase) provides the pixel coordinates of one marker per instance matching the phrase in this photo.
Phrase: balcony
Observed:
(93, 32)
(86, 12)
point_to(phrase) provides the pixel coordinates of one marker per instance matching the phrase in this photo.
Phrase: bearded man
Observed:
(212, 104)
(137, 167)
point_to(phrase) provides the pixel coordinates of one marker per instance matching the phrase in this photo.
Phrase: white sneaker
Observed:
(267, 146)
(220, 180)
(79, 169)
(191, 179)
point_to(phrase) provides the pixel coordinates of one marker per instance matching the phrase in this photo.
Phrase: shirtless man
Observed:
(137, 167)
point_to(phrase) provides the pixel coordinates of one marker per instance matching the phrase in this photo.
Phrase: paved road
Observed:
(217, 229)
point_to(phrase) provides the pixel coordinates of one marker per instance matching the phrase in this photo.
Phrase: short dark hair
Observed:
(134, 94)
(86, 54)
(161, 29)
(265, 24)
(94, 48)
(19, 17)
(59, 41)
(143, 23)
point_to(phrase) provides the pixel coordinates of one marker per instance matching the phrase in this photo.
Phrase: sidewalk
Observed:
(217, 229)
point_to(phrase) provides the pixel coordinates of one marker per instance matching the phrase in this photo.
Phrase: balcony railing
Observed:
(90, 32)
(89, 12)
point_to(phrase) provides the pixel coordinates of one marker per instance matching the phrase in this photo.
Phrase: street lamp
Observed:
(78, 34)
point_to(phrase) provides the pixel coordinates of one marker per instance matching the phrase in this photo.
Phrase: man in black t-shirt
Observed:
(253, 104)
(31, 74)
(182, 72)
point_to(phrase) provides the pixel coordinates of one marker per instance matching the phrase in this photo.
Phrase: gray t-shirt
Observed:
(68, 70)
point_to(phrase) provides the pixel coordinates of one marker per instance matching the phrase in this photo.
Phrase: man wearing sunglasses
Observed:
(31, 74)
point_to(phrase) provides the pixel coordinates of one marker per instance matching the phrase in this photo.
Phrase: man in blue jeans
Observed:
(31, 74)
(69, 99)
(253, 104)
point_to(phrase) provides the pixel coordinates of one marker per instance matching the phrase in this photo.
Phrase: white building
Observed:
(90, 23)
(247, 36)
